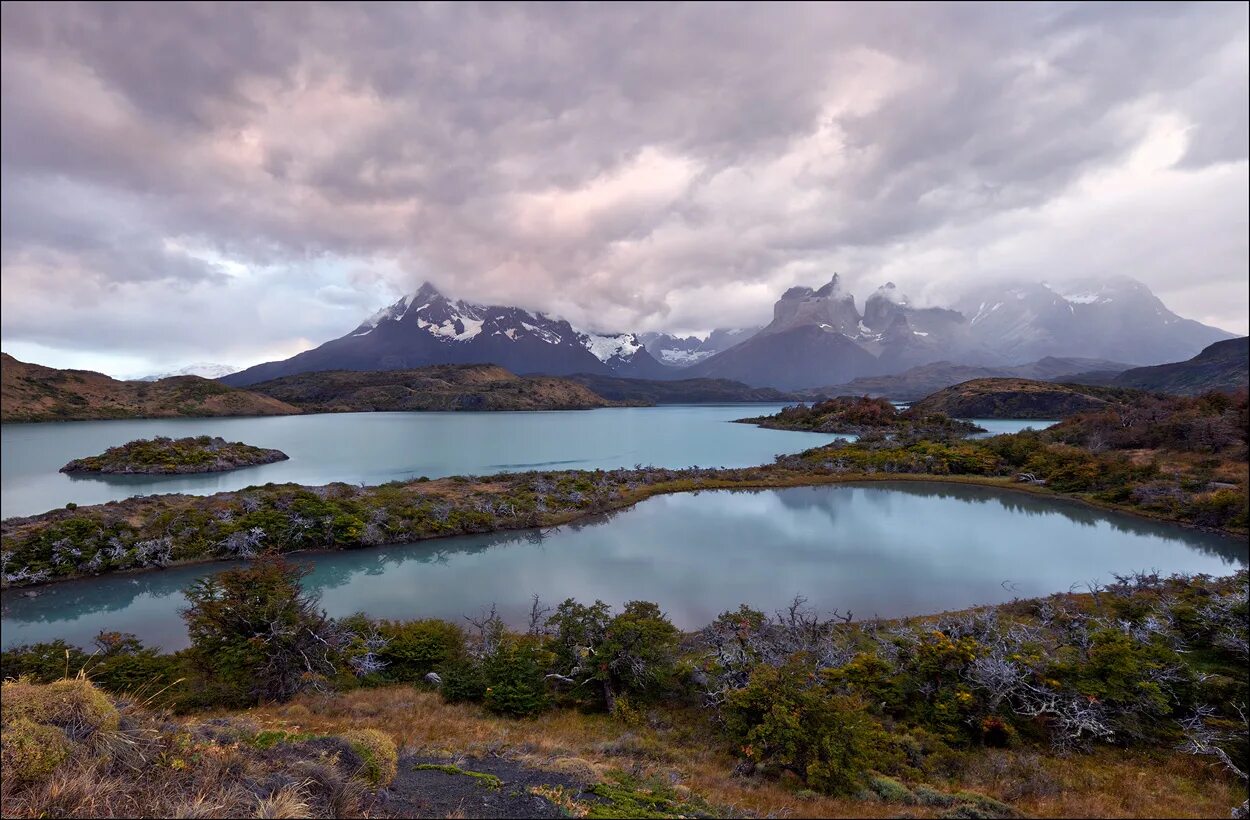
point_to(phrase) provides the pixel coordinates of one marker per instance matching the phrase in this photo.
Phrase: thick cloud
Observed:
(235, 182)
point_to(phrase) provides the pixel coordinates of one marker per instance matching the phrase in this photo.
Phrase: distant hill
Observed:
(33, 392)
(1222, 366)
(439, 387)
(1018, 399)
(682, 391)
(918, 382)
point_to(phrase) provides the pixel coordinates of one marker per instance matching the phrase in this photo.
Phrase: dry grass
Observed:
(135, 763)
(1110, 783)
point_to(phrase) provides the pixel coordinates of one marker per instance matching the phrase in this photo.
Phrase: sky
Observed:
(238, 183)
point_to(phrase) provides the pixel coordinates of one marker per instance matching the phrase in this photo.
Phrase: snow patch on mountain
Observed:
(606, 347)
(684, 358)
(207, 370)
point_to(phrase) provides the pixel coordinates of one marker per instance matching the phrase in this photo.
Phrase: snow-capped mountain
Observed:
(816, 334)
(426, 327)
(683, 351)
(208, 370)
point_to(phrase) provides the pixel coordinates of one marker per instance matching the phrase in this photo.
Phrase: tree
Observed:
(633, 652)
(256, 635)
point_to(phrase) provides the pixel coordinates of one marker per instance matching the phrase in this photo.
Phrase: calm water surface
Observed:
(378, 447)
(885, 549)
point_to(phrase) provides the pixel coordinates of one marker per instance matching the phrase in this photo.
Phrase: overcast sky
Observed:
(238, 183)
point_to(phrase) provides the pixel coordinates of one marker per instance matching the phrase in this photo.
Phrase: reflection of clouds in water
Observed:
(875, 549)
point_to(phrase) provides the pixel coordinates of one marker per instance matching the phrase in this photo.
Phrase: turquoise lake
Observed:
(378, 447)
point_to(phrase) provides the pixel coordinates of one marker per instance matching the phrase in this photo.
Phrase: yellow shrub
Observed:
(28, 751)
(74, 705)
(377, 750)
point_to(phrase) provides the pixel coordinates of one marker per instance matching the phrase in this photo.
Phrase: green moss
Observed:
(487, 780)
(626, 796)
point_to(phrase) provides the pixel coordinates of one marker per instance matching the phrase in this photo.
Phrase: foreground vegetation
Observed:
(1177, 458)
(993, 712)
(70, 750)
(162, 455)
(31, 392)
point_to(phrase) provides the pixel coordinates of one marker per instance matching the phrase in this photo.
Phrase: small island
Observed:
(862, 417)
(168, 456)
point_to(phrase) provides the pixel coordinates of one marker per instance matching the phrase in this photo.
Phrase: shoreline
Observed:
(634, 497)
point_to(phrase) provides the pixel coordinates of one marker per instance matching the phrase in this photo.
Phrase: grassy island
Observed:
(865, 417)
(161, 455)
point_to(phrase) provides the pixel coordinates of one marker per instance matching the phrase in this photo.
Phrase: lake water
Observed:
(378, 447)
(887, 549)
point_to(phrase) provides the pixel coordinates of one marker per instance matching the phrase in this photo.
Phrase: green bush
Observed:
(634, 652)
(463, 681)
(255, 634)
(416, 648)
(514, 680)
(784, 720)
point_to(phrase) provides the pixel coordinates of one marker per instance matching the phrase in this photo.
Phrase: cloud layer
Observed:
(236, 183)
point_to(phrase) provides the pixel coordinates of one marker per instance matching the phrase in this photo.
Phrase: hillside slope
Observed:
(918, 382)
(1222, 366)
(440, 387)
(32, 392)
(1017, 398)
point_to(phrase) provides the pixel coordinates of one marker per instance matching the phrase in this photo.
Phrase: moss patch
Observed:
(488, 781)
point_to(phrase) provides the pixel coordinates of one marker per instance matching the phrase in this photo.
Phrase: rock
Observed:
(434, 679)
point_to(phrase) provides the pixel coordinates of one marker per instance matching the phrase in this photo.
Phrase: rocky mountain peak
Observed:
(829, 308)
(426, 292)
(833, 289)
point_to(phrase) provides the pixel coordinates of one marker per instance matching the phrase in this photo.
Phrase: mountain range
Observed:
(426, 328)
(817, 337)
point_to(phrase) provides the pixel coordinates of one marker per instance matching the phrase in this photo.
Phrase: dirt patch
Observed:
(500, 789)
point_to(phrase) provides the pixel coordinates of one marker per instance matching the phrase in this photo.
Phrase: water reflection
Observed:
(877, 549)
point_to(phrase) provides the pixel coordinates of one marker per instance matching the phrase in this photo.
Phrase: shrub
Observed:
(415, 648)
(784, 720)
(30, 750)
(378, 753)
(633, 652)
(462, 681)
(514, 680)
(42, 662)
(255, 634)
